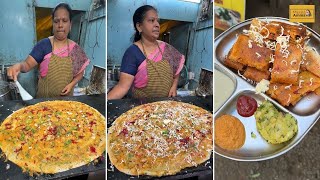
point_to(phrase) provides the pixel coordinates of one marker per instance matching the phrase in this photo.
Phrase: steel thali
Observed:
(306, 111)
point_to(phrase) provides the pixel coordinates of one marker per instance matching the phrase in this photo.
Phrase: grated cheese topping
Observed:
(285, 62)
(241, 75)
(294, 71)
(293, 62)
(289, 98)
(271, 58)
(275, 87)
(300, 83)
(283, 42)
(288, 87)
(249, 43)
(262, 86)
(270, 45)
(258, 55)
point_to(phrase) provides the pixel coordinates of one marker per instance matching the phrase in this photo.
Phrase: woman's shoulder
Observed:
(43, 45)
(45, 41)
(72, 42)
(132, 49)
(133, 53)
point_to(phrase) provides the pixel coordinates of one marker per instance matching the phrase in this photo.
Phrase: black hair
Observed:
(138, 17)
(62, 5)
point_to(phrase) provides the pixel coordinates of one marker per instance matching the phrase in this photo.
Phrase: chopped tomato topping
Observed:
(199, 134)
(131, 122)
(44, 137)
(73, 141)
(8, 125)
(184, 141)
(18, 150)
(93, 149)
(124, 131)
(92, 123)
(53, 130)
(89, 114)
(45, 109)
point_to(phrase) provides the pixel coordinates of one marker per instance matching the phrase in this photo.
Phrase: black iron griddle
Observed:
(116, 107)
(15, 172)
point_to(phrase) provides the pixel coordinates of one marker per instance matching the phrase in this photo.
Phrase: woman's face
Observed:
(61, 24)
(150, 26)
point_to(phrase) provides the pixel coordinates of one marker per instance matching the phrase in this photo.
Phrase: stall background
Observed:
(18, 32)
(193, 37)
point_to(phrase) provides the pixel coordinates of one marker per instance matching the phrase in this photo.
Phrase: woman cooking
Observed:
(149, 66)
(61, 61)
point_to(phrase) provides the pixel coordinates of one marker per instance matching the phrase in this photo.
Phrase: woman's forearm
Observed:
(122, 88)
(175, 81)
(77, 78)
(117, 92)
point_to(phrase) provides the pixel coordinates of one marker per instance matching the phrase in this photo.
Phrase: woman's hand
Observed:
(173, 89)
(173, 92)
(13, 71)
(67, 89)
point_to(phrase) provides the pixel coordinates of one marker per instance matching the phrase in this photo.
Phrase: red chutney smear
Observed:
(246, 106)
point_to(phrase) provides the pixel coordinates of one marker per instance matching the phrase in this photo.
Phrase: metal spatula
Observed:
(24, 94)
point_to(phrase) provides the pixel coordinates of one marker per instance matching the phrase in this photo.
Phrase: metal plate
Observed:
(306, 111)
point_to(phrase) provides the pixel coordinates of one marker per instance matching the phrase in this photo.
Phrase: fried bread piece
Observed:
(312, 61)
(233, 65)
(286, 70)
(272, 30)
(317, 91)
(256, 75)
(291, 94)
(247, 52)
(268, 30)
